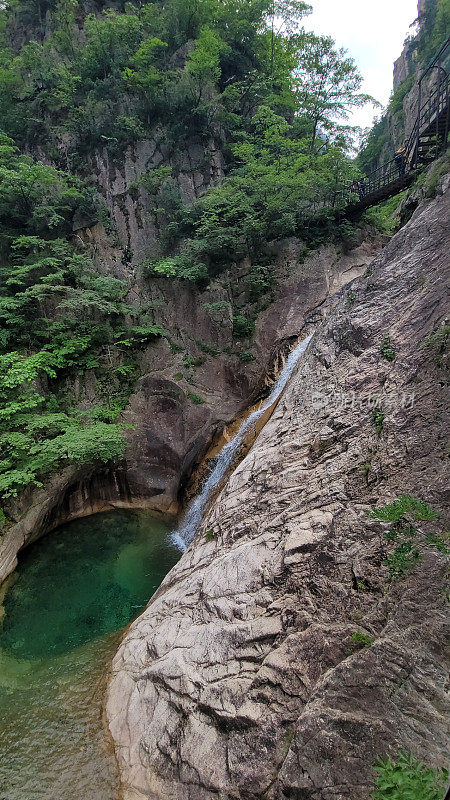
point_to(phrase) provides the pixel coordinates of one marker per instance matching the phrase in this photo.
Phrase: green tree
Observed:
(110, 43)
(36, 196)
(144, 73)
(35, 440)
(284, 18)
(327, 85)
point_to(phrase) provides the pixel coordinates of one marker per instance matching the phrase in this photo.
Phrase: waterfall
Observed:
(182, 537)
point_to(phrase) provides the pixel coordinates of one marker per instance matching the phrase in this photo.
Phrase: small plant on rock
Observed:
(362, 639)
(408, 779)
(378, 419)
(400, 508)
(403, 513)
(438, 343)
(386, 349)
(402, 559)
(243, 328)
(245, 357)
(175, 348)
(195, 398)
(189, 362)
(208, 349)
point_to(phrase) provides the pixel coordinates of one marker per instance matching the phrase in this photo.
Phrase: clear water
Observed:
(189, 526)
(73, 593)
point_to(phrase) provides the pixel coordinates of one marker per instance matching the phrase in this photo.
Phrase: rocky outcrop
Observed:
(195, 168)
(398, 122)
(169, 431)
(242, 679)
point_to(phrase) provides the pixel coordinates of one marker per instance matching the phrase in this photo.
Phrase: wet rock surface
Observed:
(241, 679)
(169, 431)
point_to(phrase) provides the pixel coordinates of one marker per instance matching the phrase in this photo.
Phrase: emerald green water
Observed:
(71, 596)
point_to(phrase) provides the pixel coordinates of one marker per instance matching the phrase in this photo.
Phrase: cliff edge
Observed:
(243, 679)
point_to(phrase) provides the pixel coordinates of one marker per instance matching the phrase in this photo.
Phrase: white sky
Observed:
(373, 32)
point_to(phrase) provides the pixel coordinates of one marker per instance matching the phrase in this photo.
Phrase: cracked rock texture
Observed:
(169, 431)
(241, 679)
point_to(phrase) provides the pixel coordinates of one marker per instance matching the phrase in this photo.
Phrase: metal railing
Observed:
(427, 139)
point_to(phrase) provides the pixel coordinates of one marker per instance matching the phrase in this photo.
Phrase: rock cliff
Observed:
(168, 431)
(242, 678)
(396, 124)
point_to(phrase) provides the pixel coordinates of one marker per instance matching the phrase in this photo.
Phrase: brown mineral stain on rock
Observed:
(169, 433)
(229, 431)
(241, 678)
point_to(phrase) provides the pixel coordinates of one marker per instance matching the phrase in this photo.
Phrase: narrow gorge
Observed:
(243, 672)
(224, 330)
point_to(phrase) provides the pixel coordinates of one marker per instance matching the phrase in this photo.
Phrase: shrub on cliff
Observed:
(403, 514)
(408, 779)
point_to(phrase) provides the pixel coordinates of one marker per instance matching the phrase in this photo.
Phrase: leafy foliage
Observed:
(328, 85)
(408, 779)
(438, 343)
(36, 437)
(362, 639)
(387, 350)
(409, 541)
(36, 197)
(278, 188)
(404, 506)
(58, 318)
(195, 398)
(243, 328)
(384, 216)
(378, 419)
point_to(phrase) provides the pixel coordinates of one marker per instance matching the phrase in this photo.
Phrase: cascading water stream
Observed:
(182, 537)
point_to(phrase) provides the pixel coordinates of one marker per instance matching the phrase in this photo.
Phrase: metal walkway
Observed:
(427, 140)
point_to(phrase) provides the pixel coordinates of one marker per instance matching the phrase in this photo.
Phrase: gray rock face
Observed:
(399, 123)
(196, 168)
(403, 67)
(169, 431)
(241, 679)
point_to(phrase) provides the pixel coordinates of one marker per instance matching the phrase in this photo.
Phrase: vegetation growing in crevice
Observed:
(361, 639)
(428, 181)
(378, 419)
(385, 216)
(438, 344)
(195, 398)
(386, 349)
(409, 541)
(407, 778)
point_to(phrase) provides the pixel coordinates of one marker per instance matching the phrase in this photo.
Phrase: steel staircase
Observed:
(427, 140)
